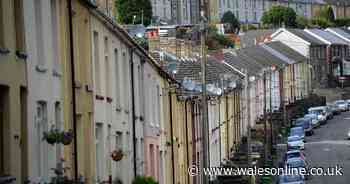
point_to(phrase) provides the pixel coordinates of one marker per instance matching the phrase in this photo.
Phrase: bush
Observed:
(340, 22)
(144, 180)
(217, 41)
(321, 23)
(302, 22)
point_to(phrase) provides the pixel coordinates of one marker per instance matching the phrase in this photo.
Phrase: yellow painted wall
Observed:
(84, 99)
(13, 76)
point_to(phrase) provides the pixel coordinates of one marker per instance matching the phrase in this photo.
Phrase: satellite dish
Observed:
(218, 91)
(189, 84)
(172, 66)
(211, 88)
(198, 88)
(233, 84)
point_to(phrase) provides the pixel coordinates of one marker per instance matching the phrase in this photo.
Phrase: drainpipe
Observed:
(187, 156)
(228, 129)
(131, 51)
(219, 131)
(71, 42)
(172, 136)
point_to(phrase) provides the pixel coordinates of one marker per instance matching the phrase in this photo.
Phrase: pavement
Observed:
(328, 147)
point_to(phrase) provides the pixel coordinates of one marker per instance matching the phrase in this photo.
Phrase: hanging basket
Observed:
(66, 137)
(117, 155)
(52, 136)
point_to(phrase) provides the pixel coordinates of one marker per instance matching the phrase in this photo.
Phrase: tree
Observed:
(230, 19)
(327, 14)
(302, 22)
(216, 41)
(128, 9)
(279, 15)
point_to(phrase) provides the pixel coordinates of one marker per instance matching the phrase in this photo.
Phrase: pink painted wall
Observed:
(152, 157)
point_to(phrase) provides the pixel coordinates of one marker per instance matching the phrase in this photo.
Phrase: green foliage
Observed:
(143, 42)
(321, 23)
(127, 9)
(340, 22)
(144, 180)
(302, 22)
(327, 14)
(279, 15)
(230, 19)
(248, 27)
(216, 41)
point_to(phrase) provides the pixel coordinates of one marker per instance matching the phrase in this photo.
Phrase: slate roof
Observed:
(333, 39)
(286, 51)
(341, 31)
(263, 57)
(306, 36)
(191, 68)
(338, 2)
(242, 62)
(248, 38)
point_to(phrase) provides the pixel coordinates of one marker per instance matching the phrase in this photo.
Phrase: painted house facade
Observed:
(13, 92)
(337, 51)
(309, 46)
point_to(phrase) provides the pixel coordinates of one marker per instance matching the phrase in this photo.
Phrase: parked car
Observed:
(291, 179)
(295, 154)
(321, 113)
(342, 104)
(297, 131)
(295, 142)
(334, 109)
(348, 134)
(297, 163)
(306, 124)
(348, 101)
(314, 121)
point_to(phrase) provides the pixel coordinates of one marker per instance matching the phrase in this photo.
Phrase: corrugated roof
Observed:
(286, 51)
(333, 39)
(306, 36)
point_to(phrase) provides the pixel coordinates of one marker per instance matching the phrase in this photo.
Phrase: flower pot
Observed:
(117, 155)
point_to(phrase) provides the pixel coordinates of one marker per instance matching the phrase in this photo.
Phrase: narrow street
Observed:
(328, 147)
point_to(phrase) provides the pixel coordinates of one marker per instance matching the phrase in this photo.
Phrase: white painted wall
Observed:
(116, 117)
(43, 86)
(292, 41)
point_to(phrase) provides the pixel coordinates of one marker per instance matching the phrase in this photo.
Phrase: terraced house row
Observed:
(78, 95)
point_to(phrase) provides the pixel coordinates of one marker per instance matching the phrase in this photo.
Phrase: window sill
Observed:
(41, 68)
(109, 99)
(98, 97)
(56, 73)
(21, 55)
(4, 51)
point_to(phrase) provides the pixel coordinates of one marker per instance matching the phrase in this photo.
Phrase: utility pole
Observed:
(247, 91)
(265, 119)
(271, 126)
(205, 126)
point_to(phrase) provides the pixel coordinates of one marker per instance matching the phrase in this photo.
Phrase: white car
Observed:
(342, 104)
(348, 134)
(321, 113)
(295, 142)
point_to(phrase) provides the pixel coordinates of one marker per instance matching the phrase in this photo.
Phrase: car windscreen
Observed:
(293, 155)
(293, 139)
(319, 111)
(296, 131)
(296, 164)
(290, 178)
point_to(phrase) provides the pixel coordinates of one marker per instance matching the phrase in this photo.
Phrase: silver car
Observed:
(342, 104)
